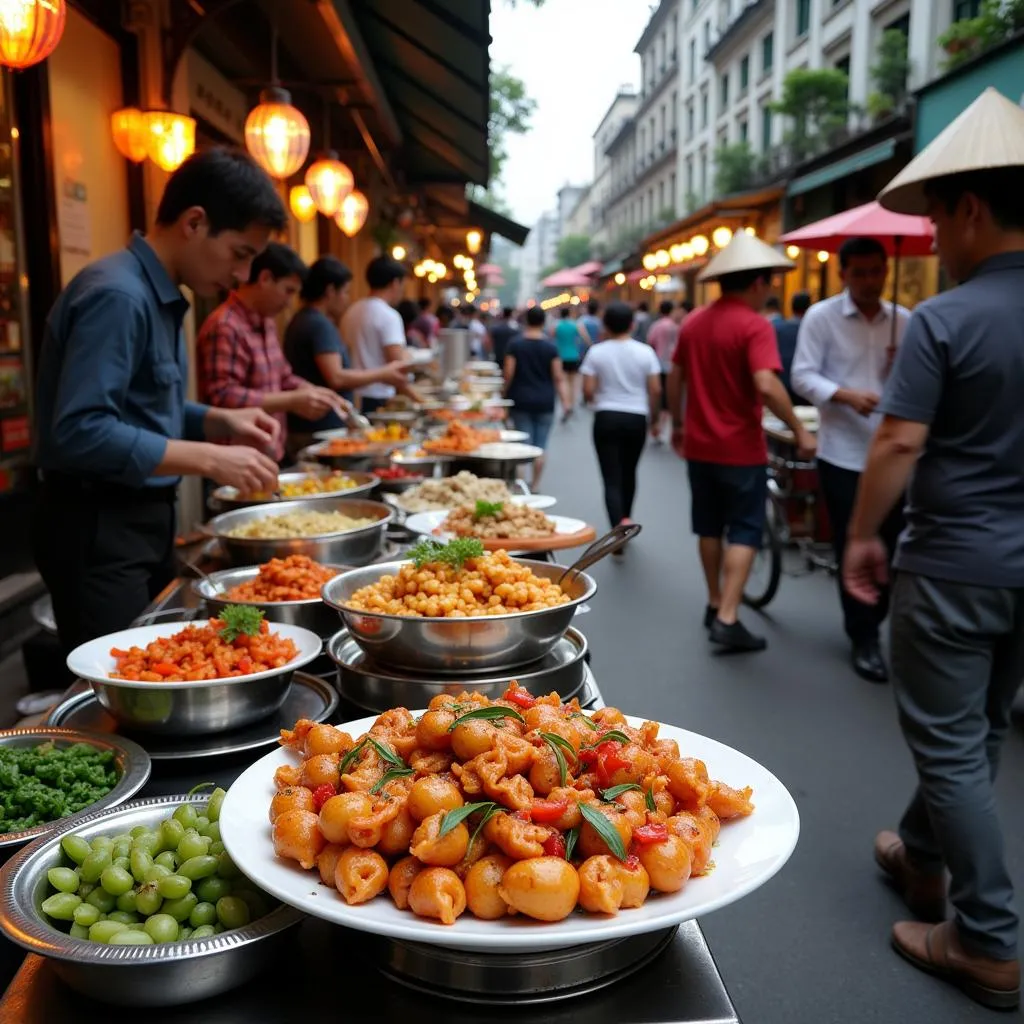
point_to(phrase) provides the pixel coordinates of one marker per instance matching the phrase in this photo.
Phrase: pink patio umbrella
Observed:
(590, 268)
(570, 278)
(902, 235)
(489, 270)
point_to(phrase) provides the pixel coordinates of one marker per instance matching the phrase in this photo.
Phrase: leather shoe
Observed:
(936, 948)
(924, 894)
(734, 637)
(710, 614)
(868, 662)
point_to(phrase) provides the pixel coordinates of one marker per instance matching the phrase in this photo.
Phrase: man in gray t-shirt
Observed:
(953, 427)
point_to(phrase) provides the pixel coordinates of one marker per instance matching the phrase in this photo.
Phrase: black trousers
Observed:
(839, 487)
(104, 554)
(619, 439)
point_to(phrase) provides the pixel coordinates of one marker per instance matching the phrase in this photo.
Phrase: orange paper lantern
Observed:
(170, 138)
(329, 181)
(128, 126)
(30, 30)
(352, 215)
(301, 203)
(277, 134)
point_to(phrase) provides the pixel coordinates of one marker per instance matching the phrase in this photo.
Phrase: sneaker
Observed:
(735, 637)
(710, 614)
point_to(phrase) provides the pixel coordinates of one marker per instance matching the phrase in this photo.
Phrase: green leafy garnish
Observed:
(558, 744)
(455, 553)
(591, 724)
(452, 819)
(386, 753)
(608, 795)
(571, 838)
(614, 735)
(495, 711)
(395, 773)
(605, 829)
(239, 620)
(484, 818)
(487, 508)
(649, 800)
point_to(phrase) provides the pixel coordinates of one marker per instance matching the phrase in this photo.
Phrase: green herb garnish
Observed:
(484, 818)
(608, 795)
(558, 744)
(605, 829)
(239, 620)
(613, 735)
(571, 838)
(487, 508)
(452, 819)
(495, 711)
(386, 753)
(590, 723)
(649, 800)
(395, 773)
(455, 553)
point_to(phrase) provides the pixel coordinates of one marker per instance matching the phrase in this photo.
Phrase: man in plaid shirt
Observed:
(240, 360)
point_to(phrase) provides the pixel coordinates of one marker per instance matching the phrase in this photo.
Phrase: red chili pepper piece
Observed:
(654, 832)
(520, 697)
(545, 811)
(523, 815)
(322, 794)
(554, 845)
(632, 862)
(609, 760)
(587, 756)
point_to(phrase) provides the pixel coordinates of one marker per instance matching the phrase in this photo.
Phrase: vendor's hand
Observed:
(314, 403)
(861, 402)
(806, 444)
(395, 374)
(865, 568)
(252, 427)
(678, 438)
(243, 468)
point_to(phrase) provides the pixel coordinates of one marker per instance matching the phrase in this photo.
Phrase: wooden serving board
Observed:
(554, 542)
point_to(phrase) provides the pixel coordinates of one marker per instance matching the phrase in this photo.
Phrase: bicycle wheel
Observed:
(767, 569)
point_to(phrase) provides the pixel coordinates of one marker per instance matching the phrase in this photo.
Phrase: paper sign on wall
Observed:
(73, 218)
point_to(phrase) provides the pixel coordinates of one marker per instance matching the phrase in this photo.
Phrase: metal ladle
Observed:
(615, 539)
(215, 587)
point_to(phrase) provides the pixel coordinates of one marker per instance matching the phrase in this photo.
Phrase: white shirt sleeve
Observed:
(588, 368)
(392, 330)
(809, 361)
(653, 362)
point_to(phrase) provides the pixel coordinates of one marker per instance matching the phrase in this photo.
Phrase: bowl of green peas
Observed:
(141, 905)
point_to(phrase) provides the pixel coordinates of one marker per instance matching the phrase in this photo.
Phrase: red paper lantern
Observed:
(30, 30)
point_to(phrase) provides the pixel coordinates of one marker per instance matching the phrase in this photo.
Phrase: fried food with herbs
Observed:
(499, 520)
(460, 439)
(528, 806)
(295, 578)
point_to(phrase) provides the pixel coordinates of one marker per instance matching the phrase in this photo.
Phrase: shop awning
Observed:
(494, 223)
(567, 278)
(841, 168)
(590, 268)
(431, 58)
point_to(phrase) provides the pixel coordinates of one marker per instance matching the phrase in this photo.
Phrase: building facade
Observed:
(621, 112)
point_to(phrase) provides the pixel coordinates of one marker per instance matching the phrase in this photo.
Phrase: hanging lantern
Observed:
(699, 245)
(277, 134)
(128, 127)
(301, 204)
(30, 30)
(352, 215)
(474, 240)
(170, 138)
(329, 181)
(721, 236)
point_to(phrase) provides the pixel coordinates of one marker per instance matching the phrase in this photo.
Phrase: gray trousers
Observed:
(957, 662)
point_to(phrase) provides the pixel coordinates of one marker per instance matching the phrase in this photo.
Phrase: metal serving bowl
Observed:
(310, 613)
(224, 499)
(193, 707)
(349, 547)
(160, 975)
(376, 453)
(385, 416)
(456, 645)
(131, 761)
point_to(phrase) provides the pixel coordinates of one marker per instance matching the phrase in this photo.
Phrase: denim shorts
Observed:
(728, 501)
(535, 424)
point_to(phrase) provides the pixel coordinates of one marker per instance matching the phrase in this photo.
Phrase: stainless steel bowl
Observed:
(349, 547)
(377, 453)
(132, 763)
(224, 499)
(310, 613)
(159, 975)
(384, 416)
(456, 645)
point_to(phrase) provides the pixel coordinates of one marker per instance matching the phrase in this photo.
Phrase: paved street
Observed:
(812, 946)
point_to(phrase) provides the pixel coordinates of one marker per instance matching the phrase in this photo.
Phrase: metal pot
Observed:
(225, 499)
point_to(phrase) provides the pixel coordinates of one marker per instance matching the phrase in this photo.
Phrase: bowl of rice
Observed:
(334, 531)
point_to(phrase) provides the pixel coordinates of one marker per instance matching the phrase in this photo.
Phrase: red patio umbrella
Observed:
(488, 269)
(902, 235)
(589, 268)
(570, 278)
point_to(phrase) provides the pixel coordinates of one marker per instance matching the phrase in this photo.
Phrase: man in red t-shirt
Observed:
(727, 362)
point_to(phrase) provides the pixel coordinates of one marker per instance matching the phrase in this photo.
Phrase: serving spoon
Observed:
(615, 539)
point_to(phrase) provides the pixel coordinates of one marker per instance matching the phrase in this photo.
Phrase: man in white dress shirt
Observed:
(843, 354)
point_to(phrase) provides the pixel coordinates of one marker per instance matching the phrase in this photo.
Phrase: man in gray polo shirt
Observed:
(953, 428)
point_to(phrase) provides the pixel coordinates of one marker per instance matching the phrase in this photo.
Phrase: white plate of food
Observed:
(513, 436)
(504, 450)
(748, 851)
(429, 524)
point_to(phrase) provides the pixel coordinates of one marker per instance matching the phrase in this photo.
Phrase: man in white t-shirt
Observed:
(373, 329)
(479, 340)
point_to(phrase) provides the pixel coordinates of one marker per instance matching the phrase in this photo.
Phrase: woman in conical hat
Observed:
(953, 429)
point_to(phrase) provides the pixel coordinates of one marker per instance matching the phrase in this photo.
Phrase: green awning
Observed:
(841, 168)
(495, 223)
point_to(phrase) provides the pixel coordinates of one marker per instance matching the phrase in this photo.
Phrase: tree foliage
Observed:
(573, 250)
(817, 103)
(510, 113)
(891, 68)
(734, 168)
(965, 39)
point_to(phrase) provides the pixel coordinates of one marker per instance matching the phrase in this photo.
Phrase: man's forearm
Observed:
(777, 400)
(276, 401)
(883, 481)
(187, 458)
(676, 391)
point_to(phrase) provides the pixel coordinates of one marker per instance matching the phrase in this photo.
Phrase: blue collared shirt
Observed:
(112, 373)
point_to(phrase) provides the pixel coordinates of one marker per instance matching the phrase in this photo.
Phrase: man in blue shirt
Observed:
(115, 431)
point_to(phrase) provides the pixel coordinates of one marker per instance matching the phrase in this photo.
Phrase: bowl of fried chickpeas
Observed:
(491, 612)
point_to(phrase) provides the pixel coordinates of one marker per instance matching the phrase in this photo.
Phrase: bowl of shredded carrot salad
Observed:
(197, 677)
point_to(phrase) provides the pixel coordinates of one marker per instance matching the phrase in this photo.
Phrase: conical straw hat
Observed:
(744, 252)
(987, 135)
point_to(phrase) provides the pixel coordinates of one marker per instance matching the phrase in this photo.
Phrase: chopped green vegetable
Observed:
(455, 553)
(239, 620)
(43, 783)
(487, 508)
